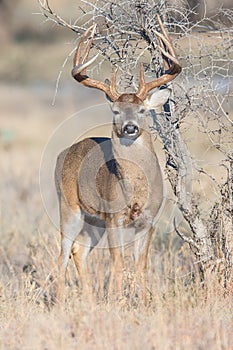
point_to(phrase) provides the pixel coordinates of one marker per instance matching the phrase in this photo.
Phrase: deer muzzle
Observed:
(130, 130)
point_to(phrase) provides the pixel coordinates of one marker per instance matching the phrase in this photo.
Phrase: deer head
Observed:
(129, 109)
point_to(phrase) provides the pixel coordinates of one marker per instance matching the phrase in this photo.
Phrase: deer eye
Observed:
(116, 112)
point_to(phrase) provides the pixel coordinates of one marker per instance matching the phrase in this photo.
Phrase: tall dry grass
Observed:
(182, 314)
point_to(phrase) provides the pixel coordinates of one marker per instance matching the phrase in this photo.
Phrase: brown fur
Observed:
(129, 98)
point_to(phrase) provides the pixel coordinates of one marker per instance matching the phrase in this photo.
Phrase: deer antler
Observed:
(80, 65)
(172, 66)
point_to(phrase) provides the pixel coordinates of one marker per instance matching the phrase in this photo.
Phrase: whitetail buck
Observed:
(113, 184)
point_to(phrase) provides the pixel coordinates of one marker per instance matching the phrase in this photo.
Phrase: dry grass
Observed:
(183, 314)
(178, 318)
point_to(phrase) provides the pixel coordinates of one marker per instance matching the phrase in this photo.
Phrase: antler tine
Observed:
(163, 30)
(88, 47)
(171, 64)
(165, 34)
(80, 65)
(165, 39)
(142, 91)
(161, 47)
(168, 44)
(77, 56)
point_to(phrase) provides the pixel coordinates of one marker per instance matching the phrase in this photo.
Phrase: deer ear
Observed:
(157, 99)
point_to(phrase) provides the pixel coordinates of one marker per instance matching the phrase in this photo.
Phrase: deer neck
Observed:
(137, 167)
(130, 155)
(123, 147)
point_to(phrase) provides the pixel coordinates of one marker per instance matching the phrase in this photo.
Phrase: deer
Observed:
(113, 186)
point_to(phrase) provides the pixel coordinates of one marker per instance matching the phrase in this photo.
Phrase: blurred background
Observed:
(33, 51)
(32, 55)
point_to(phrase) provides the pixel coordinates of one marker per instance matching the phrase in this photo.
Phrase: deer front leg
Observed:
(116, 251)
(141, 249)
(118, 266)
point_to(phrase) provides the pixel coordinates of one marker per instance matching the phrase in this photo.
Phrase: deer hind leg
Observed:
(71, 226)
(88, 238)
(141, 249)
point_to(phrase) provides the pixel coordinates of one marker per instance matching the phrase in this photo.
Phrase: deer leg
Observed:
(118, 266)
(141, 249)
(80, 251)
(71, 226)
(88, 238)
(116, 251)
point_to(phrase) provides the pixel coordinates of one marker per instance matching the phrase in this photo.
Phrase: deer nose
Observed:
(130, 129)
